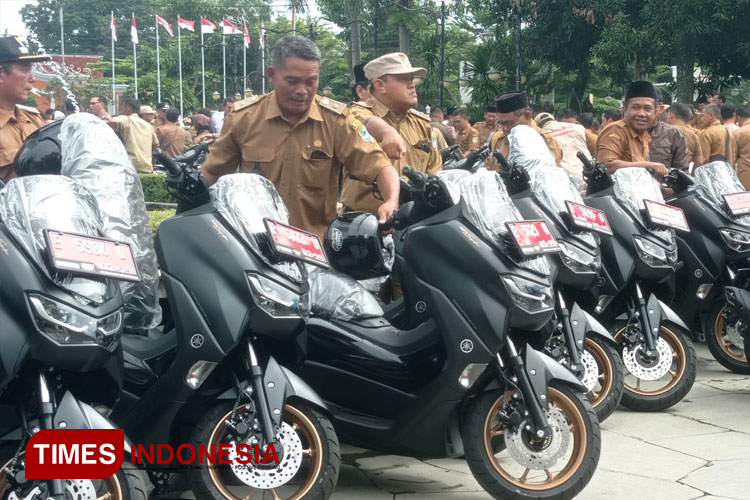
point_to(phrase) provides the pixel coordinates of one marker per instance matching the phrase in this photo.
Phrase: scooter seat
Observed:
(145, 348)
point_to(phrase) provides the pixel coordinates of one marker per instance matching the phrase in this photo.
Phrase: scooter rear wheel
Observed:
(606, 394)
(726, 345)
(316, 475)
(554, 468)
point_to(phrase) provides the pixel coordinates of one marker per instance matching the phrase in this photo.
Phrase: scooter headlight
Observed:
(276, 299)
(579, 260)
(738, 241)
(63, 324)
(651, 253)
(527, 294)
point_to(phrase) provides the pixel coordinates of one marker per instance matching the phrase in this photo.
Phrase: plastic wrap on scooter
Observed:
(244, 200)
(452, 180)
(334, 295)
(714, 180)
(632, 186)
(551, 184)
(29, 205)
(95, 157)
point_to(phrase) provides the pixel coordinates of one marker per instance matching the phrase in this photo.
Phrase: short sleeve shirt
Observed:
(620, 142)
(14, 129)
(139, 138)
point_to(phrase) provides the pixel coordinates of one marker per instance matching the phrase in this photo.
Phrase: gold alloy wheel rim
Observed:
(314, 451)
(678, 353)
(727, 347)
(605, 376)
(113, 491)
(493, 428)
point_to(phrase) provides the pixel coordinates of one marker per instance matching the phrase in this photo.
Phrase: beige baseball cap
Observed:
(396, 63)
(542, 119)
(147, 110)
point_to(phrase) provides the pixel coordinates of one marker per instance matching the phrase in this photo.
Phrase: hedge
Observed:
(154, 189)
(157, 216)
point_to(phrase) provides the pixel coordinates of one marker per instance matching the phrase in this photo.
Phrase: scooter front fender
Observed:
(542, 370)
(667, 314)
(585, 324)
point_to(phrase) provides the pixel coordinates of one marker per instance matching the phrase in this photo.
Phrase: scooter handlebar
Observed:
(173, 169)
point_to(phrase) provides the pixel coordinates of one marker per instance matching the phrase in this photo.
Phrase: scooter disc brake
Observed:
(270, 475)
(733, 336)
(591, 370)
(640, 368)
(545, 453)
(75, 489)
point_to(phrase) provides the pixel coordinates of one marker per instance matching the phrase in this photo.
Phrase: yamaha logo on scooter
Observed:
(337, 239)
(196, 341)
(467, 346)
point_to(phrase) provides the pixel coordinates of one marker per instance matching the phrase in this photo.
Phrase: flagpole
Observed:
(158, 69)
(62, 40)
(135, 60)
(263, 60)
(112, 37)
(224, 60)
(244, 57)
(179, 59)
(203, 66)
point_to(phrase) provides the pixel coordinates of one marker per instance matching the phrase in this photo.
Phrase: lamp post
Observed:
(447, 82)
(327, 91)
(248, 93)
(493, 74)
(216, 97)
(237, 96)
(418, 80)
(442, 49)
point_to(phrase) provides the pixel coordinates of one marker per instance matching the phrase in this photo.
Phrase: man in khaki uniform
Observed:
(716, 141)
(173, 140)
(16, 121)
(489, 126)
(161, 114)
(98, 107)
(466, 136)
(572, 140)
(586, 120)
(512, 110)
(624, 143)
(299, 140)
(390, 110)
(138, 136)
(678, 115)
(741, 146)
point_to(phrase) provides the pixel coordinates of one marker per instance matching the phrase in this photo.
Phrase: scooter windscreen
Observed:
(29, 205)
(716, 179)
(244, 200)
(632, 186)
(489, 207)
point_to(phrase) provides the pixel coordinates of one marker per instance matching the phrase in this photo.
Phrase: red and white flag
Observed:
(186, 25)
(246, 33)
(166, 24)
(263, 34)
(133, 31)
(114, 28)
(207, 26)
(228, 27)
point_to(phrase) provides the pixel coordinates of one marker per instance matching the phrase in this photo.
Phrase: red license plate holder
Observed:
(290, 242)
(588, 218)
(738, 203)
(532, 237)
(666, 216)
(91, 256)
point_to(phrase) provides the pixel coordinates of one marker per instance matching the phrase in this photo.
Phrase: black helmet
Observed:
(41, 153)
(354, 246)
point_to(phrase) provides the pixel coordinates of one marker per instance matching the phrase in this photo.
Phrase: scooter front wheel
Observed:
(657, 383)
(556, 467)
(608, 369)
(306, 445)
(725, 341)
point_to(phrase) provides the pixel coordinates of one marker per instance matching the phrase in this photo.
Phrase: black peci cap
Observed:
(641, 88)
(491, 108)
(511, 101)
(359, 74)
(12, 49)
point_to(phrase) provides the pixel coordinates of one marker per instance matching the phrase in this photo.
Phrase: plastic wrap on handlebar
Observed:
(585, 160)
(173, 169)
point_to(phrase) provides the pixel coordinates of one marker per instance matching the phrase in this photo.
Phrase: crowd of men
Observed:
(303, 142)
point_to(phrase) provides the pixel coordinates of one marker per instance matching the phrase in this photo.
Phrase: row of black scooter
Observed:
(528, 313)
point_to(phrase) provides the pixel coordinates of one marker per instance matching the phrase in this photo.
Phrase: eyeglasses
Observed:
(91, 103)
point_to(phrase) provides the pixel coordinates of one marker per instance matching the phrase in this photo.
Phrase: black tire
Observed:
(686, 365)
(316, 432)
(477, 431)
(126, 484)
(612, 377)
(728, 354)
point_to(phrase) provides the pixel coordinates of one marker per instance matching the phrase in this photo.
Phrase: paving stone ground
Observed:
(698, 449)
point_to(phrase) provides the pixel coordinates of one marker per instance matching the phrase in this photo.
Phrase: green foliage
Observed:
(158, 216)
(154, 188)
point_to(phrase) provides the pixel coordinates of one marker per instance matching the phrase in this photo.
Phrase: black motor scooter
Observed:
(463, 377)
(639, 264)
(61, 321)
(716, 252)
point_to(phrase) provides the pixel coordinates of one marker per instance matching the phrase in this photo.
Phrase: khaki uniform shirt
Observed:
(591, 138)
(741, 153)
(173, 140)
(499, 141)
(668, 146)
(447, 132)
(468, 139)
(485, 131)
(302, 160)
(139, 138)
(421, 155)
(694, 149)
(620, 142)
(572, 140)
(714, 141)
(438, 140)
(14, 129)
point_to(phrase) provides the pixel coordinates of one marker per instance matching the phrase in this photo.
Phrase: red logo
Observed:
(66, 453)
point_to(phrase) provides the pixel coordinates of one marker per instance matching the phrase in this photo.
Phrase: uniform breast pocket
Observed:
(420, 154)
(257, 160)
(316, 169)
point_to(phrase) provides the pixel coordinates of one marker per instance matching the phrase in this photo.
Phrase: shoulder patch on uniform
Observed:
(332, 105)
(249, 101)
(423, 116)
(28, 109)
(362, 131)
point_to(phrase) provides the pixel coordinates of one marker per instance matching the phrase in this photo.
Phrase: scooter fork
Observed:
(533, 405)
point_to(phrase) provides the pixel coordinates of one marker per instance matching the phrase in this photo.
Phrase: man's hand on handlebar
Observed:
(658, 170)
(385, 211)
